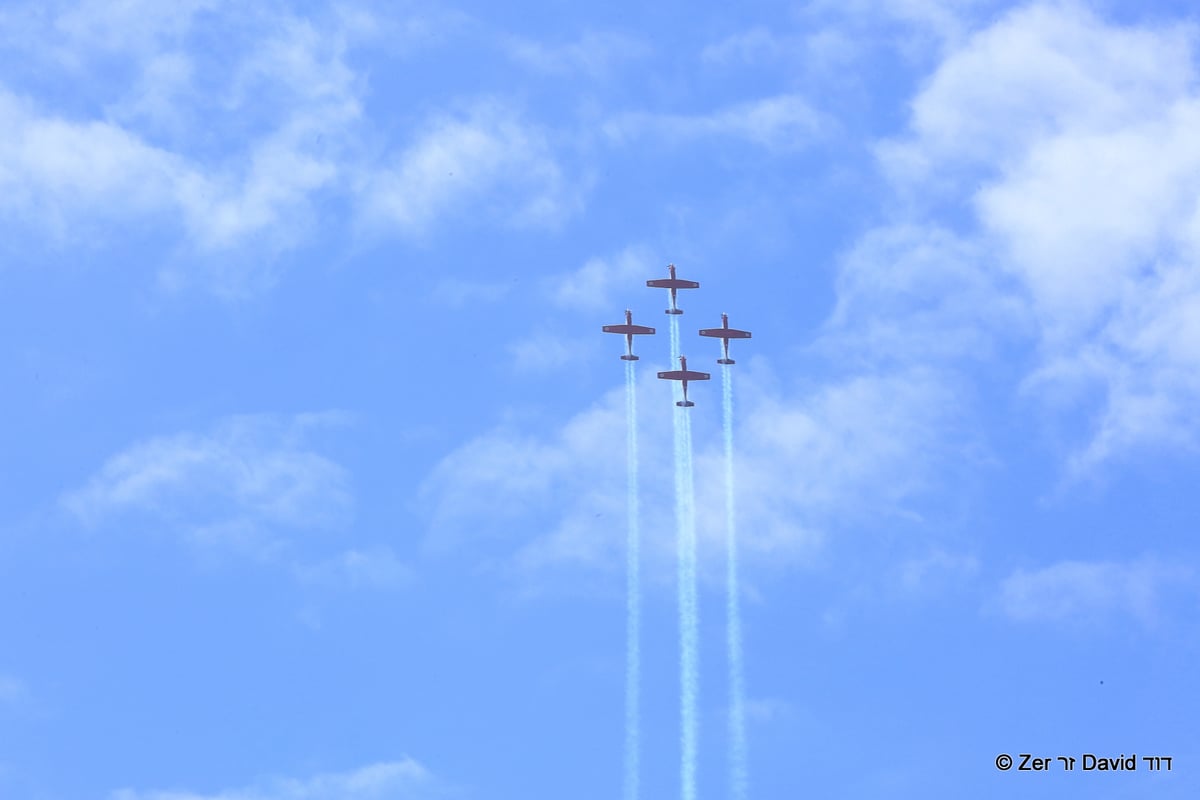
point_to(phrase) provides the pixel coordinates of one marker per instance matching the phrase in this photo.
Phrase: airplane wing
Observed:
(684, 375)
(672, 283)
(725, 333)
(627, 329)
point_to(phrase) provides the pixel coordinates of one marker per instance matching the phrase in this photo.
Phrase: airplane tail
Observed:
(673, 311)
(629, 358)
(726, 361)
(684, 403)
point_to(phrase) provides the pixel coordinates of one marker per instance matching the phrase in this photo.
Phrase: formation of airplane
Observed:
(630, 330)
(725, 333)
(673, 284)
(683, 374)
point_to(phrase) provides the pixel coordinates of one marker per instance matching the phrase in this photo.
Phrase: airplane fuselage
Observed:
(684, 375)
(629, 330)
(725, 333)
(672, 284)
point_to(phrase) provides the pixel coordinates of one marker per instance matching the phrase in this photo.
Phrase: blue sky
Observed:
(312, 472)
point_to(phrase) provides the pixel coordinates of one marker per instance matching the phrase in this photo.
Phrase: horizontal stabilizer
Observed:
(673, 311)
(629, 358)
(726, 361)
(684, 403)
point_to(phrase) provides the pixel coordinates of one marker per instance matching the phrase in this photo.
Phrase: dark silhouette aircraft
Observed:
(725, 333)
(684, 374)
(673, 284)
(630, 330)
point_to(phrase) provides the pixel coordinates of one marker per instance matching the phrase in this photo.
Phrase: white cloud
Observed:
(467, 161)
(765, 710)
(1036, 72)
(458, 293)
(783, 122)
(504, 475)
(542, 351)
(917, 29)
(808, 462)
(564, 489)
(231, 150)
(137, 25)
(934, 569)
(1086, 216)
(372, 568)
(594, 54)
(1092, 591)
(294, 105)
(755, 44)
(298, 73)
(238, 486)
(12, 690)
(592, 287)
(822, 57)
(49, 166)
(945, 21)
(405, 779)
(863, 448)
(155, 101)
(1070, 139)
(910, 293)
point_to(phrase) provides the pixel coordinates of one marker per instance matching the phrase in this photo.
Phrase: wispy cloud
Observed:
(810, 461)
(315, 108)
(466, 161)
(458, 293)
(929, 25)
(765, 710)
(375, 568)
(405, 779)
(52, 167)
(142, 26)
(542, 351)
(593, 286)
(241, 486)
(12, 690)
(821, 52)
(231, 149)
(934, 569)
(1038, 72)
(600, 285)
(1068, 140)
(862, 448)
(286, 110)
(595, 53)
(921, 294)
(783, 122)
(758, 43)
(1094, 591)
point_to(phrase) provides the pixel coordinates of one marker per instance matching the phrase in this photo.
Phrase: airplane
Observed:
(725, 333)
(630, 330)
(684, 374)
(672, 283)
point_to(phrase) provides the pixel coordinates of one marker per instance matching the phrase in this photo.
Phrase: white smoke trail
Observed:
(674, 340)
(633, 610)
(738, 760)
(689, 632)
(685, 519)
